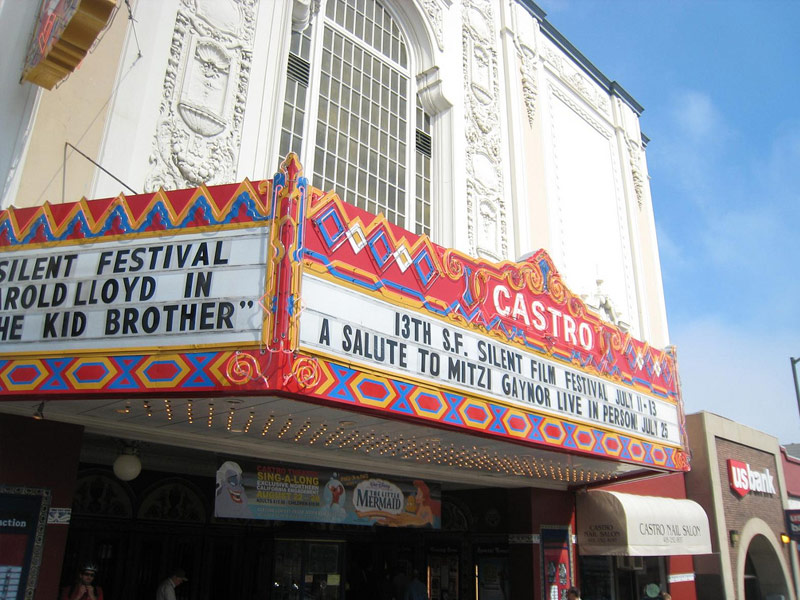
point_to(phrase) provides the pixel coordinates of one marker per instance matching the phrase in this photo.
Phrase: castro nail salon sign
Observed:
(176, 290)
(743, 479)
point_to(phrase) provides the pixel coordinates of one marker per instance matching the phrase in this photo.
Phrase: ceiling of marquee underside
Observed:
(171, 431)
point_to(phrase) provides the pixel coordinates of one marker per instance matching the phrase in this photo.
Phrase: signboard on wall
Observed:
(743, 479)
(793, 524)
(270, 491)
(615, 523)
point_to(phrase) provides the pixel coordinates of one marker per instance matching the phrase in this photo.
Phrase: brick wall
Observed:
(738, 510)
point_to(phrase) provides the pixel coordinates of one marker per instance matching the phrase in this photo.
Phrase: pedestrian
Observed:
(400, 582)
(416, 590)
(166, 589)
(573, 593)
(84, 587)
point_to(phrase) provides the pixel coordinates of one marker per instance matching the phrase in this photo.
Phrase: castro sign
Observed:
(744, 480)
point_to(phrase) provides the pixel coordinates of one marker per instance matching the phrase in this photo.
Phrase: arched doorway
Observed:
(763, 574)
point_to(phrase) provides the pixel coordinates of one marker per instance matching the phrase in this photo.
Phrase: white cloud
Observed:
(691, 148)
(698, 119)
(729, 232)
(670, 250)
(778, 175)
(741, 239)
(742, 375)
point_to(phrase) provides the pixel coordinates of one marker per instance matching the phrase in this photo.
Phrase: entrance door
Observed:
(156, 554)
(443, 576)
(307, 569)
(640, 577)
(764, 575)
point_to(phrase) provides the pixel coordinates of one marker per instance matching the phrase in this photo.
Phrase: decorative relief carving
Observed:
(554, 58)
(527, 70)
(635, 154)
(205, 87)
(173, 500)
(99, 494)
(584, 114)
(434, 12)
(576, 80)
(487, 225)
(487, 228)
(302, 13)
(602, 304)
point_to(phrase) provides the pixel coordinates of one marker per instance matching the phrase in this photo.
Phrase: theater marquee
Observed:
(378, 335)
(280, 288)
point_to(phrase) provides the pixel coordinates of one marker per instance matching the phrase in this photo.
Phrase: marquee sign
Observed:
(280, 287)
(145, 291)
(64, 33)
(380, 335)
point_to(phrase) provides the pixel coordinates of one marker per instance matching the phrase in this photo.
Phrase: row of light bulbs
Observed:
(427, 451)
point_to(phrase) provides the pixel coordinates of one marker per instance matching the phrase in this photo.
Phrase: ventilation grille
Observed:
(298, 69)
(423, 143)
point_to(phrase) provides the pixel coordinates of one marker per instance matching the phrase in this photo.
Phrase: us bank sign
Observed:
(277, 287)
(743, 479)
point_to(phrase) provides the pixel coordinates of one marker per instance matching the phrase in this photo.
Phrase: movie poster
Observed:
(23, 517)
(279, 492)
(556, 562)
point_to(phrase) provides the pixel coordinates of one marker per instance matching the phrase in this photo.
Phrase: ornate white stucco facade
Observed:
(532, 146)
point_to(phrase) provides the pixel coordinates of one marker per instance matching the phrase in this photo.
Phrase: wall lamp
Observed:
(734, 536)
(785, 538)
(38, 414)
(128, 465)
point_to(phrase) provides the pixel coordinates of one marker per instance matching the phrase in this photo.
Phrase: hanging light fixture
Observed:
(38, 414)
(128, 465)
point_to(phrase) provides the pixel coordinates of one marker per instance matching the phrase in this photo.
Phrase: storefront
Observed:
(320, 402)
(737, 477)
(637, 539)
(791, 475)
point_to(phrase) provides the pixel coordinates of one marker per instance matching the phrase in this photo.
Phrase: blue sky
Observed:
(720, 85)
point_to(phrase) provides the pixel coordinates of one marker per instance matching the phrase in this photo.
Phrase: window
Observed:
(371, 141)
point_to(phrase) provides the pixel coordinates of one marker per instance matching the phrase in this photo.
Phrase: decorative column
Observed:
(284, 254)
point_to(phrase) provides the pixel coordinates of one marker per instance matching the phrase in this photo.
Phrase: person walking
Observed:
(166, 589)
(416, 590)
(573, 593)
(84, 587)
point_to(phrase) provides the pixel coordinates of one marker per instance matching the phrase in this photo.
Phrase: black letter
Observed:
(325, 334)
(112, 321)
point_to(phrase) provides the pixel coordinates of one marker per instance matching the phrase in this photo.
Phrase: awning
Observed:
(616, 524)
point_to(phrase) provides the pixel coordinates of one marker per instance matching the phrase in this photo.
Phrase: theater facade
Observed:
(288, 396)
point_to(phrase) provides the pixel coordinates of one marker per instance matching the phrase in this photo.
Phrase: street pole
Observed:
(794, 362)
